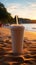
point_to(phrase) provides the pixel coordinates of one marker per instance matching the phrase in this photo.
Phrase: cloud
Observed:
(33, 5)
(5, 1)
(23, 11)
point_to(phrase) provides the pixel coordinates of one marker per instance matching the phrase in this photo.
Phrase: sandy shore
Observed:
(6, 55)
(29, 34)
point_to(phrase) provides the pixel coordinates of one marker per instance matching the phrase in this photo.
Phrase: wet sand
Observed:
(6, 54)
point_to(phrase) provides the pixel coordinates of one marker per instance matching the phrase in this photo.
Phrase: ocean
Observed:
(30, 27)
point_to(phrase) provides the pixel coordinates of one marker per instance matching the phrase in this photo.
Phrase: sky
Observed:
(22, 8)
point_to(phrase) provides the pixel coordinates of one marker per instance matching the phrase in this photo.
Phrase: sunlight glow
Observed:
(23, 11)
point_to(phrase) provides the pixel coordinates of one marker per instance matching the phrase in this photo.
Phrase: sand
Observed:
(29, 34)
(6, 53)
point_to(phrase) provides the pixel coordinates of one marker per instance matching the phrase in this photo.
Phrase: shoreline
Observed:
(29, 34)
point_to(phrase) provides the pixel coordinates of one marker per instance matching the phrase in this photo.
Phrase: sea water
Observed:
(30, 27)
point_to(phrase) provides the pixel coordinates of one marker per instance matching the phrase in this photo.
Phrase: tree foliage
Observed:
(5, 17)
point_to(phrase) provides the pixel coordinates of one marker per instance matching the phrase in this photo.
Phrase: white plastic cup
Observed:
(17, 34)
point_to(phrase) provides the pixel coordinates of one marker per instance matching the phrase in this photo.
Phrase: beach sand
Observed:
(6, 53)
